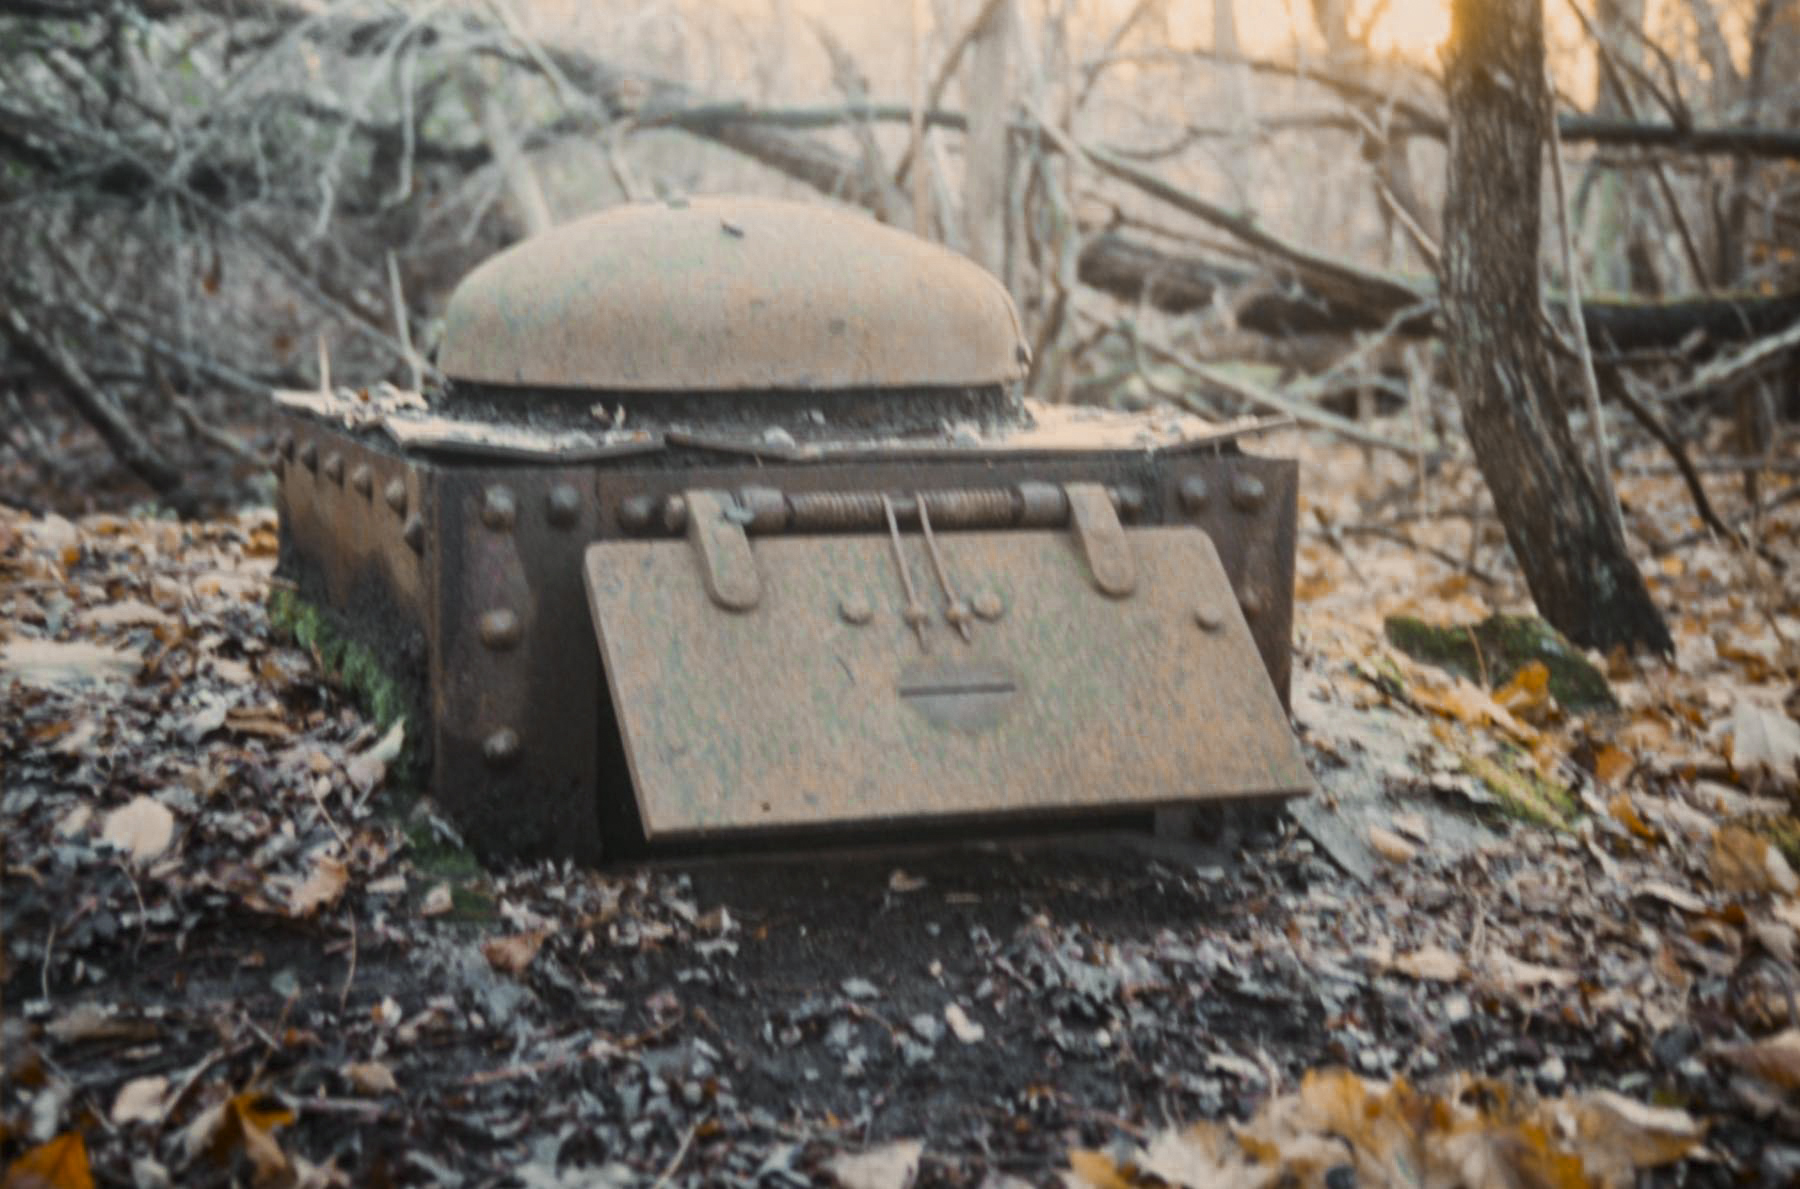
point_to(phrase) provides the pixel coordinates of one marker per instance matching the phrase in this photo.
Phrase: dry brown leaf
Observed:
(127, 613)
(512, 954)
(142, 828)
(1616, 1136)
(1096, 1169)
(324, 884)
(1774, 1059)
(437, 901)
(371, 1077)
(1746, 862)
(61, 1163)
(1391, 846)
(1612, 765)
(1625, 813)
(966, 1030)
(1527, 693)
(1515, 974)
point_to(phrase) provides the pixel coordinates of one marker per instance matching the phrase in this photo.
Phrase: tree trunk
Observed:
(1569, 547)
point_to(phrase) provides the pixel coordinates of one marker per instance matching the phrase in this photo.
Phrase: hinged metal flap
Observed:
(820, 705)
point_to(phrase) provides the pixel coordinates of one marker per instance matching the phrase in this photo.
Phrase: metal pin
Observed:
(957, 613)
(914, 612)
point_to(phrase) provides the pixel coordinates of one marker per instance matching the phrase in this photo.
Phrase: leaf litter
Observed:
(1581, 971)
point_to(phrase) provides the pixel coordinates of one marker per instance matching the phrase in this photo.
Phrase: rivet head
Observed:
(285, 443)
(1248, 493)
(1127, 500)
(498, 508)
(334, 468)
(413, 532)
(362, 480)
(563, 505)
(988, 605)
(501, 748)
(1193, 494)
(1252, 602)
(500, 629)
(309, 456)
(395, 494)
(637, 513)
(855, 609)
(1208, 618)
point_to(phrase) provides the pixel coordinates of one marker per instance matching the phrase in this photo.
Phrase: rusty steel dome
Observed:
(730, 294)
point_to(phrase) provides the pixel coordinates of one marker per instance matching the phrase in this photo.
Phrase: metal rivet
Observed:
(1251, 600)
(395, 494)
(498, 508)
(309, 456)
(362, 480)
(1248, 493)
(675, 514)
(500, 748)
(500, 629)
(563, 505)
(334, 468)
(1208, 618)
(1127, 500)
(636, 513)
(855, 609)
(988, 605)
(285, 443)
(414, 534)
(1193, 493)
(958, 615)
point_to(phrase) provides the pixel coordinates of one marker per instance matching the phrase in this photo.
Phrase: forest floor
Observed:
(1528, 932)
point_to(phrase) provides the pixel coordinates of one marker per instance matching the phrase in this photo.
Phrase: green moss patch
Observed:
(349, 664)
(1522, 793)
(1498, 647)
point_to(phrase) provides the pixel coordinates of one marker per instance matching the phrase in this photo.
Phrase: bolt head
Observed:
(395, 494)
(413, 532)
(563, 505)
(855, 610)
(334, 467)
(958, 614)
(499, 511)
(1193, 493)
(1252, 602)
(1208, 618)
(988, 605)
(500, 629)
(362, 481)
(1248, 494)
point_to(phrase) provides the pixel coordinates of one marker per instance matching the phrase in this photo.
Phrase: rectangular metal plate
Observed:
(791, 715)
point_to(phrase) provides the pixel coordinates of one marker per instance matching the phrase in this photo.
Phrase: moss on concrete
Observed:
(1498, 647)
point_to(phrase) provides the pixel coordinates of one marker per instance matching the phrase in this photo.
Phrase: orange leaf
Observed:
(1527, 694)
(1612, 764)
(60, 1164)
(1626, 814)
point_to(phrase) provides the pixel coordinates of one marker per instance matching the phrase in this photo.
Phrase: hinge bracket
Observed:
(1102, 538)
(726, 565)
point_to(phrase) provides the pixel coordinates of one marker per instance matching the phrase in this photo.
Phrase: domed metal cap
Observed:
(723, 294)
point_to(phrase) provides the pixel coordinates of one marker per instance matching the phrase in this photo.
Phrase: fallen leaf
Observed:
(891, 1166)
(60, 1164)
(140, 1101)
(143, 828)
(1616, 1136)
(1765, 743)
(128, 613)
(1671, 895)
(1774, 1059)
(1391, 846)
(437, 901)
(1625, 813)
(1430, 964)
(367, 769)
(512, 954)
(1515, 974)
(966, 1030)
(371, 1077)
(1527, 694)
(1413, 826)
(1746, 862)
(324, 884)
(900, 881)
(1612, 765)
(52, 664)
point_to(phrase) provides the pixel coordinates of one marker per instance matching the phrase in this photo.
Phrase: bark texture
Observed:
(1569, 547)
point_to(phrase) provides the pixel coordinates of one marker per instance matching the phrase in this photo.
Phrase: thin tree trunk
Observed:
(1568, 545)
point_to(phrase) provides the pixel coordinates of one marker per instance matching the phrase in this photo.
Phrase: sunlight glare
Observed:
(1415, 28)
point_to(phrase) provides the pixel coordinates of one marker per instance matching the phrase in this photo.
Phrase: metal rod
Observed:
(957, 613)
(914, 612)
